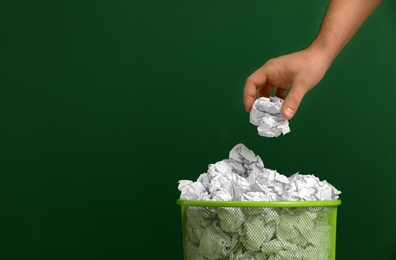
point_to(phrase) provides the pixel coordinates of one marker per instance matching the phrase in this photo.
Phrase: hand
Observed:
(299, 71)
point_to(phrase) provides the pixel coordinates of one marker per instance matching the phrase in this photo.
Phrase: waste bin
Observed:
(276, 230)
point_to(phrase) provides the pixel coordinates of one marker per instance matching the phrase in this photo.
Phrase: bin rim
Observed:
(269, 204)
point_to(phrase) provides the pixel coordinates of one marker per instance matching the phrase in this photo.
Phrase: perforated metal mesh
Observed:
(241, 233)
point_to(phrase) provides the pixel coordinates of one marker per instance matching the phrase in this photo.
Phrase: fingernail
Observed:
(289, 112)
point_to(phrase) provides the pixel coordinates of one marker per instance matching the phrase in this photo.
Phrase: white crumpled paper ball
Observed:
(266, 115)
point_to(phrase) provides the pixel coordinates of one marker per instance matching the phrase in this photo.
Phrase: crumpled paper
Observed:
(193, 190)
(309, 187)
(243, 177)
(256, 233)
(266, 115)
(215, 243)
(231, 220)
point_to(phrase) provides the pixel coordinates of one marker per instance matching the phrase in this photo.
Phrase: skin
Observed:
(302, 70)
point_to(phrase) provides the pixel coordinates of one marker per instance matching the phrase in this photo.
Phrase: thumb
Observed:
(292, 101)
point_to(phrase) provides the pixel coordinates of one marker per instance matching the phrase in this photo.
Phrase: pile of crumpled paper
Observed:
(243, 177)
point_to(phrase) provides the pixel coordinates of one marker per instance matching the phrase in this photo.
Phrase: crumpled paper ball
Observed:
(266, 115)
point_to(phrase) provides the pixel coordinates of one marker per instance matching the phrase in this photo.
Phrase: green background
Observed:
(105, 105)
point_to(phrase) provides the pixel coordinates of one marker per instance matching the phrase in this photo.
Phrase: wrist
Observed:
(321, 54)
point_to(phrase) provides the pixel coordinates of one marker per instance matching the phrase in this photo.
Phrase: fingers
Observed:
(249, 94)
(280, 92)
(255, 81)
(265, 91)
(292, 101)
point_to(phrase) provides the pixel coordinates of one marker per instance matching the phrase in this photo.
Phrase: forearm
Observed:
(342, 20)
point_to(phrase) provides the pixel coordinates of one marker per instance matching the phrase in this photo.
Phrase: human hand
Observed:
(299, 71)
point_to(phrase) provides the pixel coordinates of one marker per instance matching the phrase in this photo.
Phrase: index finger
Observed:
(253, 82)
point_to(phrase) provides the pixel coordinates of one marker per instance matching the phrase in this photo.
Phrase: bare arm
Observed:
(302, 70)
(341, 22)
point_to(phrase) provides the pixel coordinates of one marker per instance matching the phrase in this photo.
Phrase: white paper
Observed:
(243, 177)
(192, 190)
(266, 115)
(308, 187)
